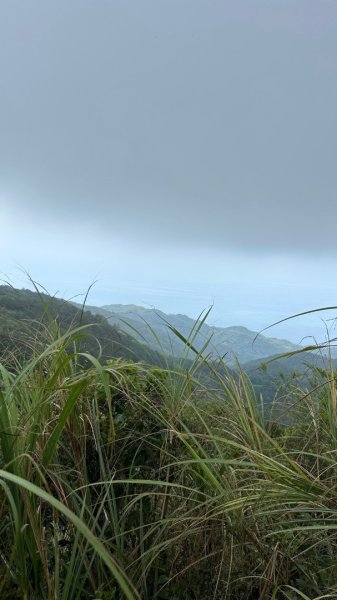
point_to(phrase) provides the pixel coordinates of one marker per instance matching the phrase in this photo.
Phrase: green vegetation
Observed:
(25, 318)
(231, 342)
(279, 376)
(121, 479)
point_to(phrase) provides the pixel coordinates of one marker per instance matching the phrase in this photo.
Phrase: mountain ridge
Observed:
(25, 316)
(152, 327)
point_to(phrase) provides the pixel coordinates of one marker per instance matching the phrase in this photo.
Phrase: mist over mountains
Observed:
(127, 331)
(145, 333)
(155, 329)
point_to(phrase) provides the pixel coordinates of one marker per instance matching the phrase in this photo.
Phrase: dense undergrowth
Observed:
(122, 480)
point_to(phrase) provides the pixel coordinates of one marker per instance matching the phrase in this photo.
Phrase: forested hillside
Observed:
(152, 327)
(25, 326)
(278, 377)
(26, 318)
(124, 480)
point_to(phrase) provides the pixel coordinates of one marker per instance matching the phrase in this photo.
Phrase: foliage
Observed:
(119, 479)
(25, 327)
(150, 326)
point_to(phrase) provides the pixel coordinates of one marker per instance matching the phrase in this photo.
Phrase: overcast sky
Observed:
(182, 152)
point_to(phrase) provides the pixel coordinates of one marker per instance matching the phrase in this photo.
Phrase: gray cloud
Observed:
(212, 123)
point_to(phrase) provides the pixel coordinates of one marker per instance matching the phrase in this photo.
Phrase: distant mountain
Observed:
(25, 317)
(274, 377)
(151, 327)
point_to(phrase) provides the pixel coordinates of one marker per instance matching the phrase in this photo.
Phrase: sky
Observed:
(180, 153)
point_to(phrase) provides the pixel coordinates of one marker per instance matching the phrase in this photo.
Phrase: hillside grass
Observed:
(122, 480)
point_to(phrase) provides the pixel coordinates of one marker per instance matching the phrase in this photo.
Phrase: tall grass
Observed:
(123, 480)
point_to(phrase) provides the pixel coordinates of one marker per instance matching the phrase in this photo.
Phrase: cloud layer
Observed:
(209, 123)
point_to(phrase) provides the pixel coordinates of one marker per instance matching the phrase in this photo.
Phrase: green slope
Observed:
(234, 342)
(275, 377)
(26, 316)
